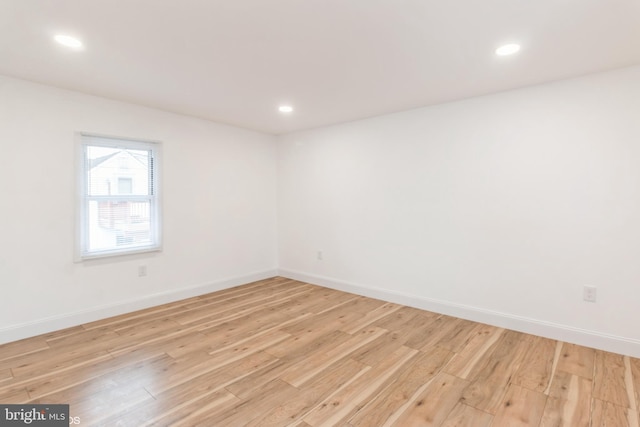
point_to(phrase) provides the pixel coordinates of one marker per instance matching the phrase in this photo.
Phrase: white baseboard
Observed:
(612, 343)
(54, 323)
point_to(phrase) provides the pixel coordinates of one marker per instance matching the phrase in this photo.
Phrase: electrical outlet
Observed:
(142, 270)
(589, 293)
(319, 255)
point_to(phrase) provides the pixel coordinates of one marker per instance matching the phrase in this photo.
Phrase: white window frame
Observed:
(85, 140)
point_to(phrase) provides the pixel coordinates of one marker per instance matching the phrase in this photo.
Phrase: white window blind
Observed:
(119, 203)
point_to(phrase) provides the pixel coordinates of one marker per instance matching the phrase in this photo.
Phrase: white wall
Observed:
(219, 201)
(498, 208)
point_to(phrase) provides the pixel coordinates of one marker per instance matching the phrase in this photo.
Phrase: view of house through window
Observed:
(119, 209)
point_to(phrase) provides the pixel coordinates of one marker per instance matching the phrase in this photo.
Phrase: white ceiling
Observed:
(235, 61)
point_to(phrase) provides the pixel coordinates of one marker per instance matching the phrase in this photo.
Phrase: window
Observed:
(119, 207)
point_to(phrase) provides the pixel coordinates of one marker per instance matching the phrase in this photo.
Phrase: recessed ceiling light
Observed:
(285, 108)
(68, 41)
(507, 49)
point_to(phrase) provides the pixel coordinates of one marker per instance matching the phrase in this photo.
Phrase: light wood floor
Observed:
(281, 352)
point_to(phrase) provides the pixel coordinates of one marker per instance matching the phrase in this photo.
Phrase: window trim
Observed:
(84, 139)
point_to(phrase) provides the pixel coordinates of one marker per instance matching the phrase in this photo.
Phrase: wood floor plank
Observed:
(571, 387)
(487, 387)
(333, 318)
(284, 352)
(554, 365)
(306, 343)
(476, 350)
(397, 319)
(566, 413)
(234, 308)
(607, 414)
(273, 394)
(294, 361)
(161, 311)
(311, 394)
(49, 384)
(634, 411)
(609, 380)
(417, 330)
(577, 360)
(10, 396)
(189, 342)
(100, 405)
(453, 335)
(262, 317)
(377, 350)
(521, 407)
(417, 372)
(222, 342)
(63, 332)
(19, 349)
(370, 317)
(182, 370)
(362, 305)
(325, 299)
(319, 324)
(82, 387)
(535, 370)
(435, 331)
(347, 402)
(635, 372)
(185, 395)
(244, 386)
(58, 363)
(466, 416)
(98, 338)
(193, 413)
(146, 335)
(299, 373)
(224, 298)
(5, 374)
(433, 405)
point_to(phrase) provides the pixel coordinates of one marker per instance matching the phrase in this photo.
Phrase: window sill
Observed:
(114, 254)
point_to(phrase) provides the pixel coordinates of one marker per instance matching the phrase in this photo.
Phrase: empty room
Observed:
(320, 213)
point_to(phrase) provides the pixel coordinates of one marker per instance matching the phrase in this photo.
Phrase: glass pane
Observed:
(115, 171)
(125, 186)
(118, 224)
